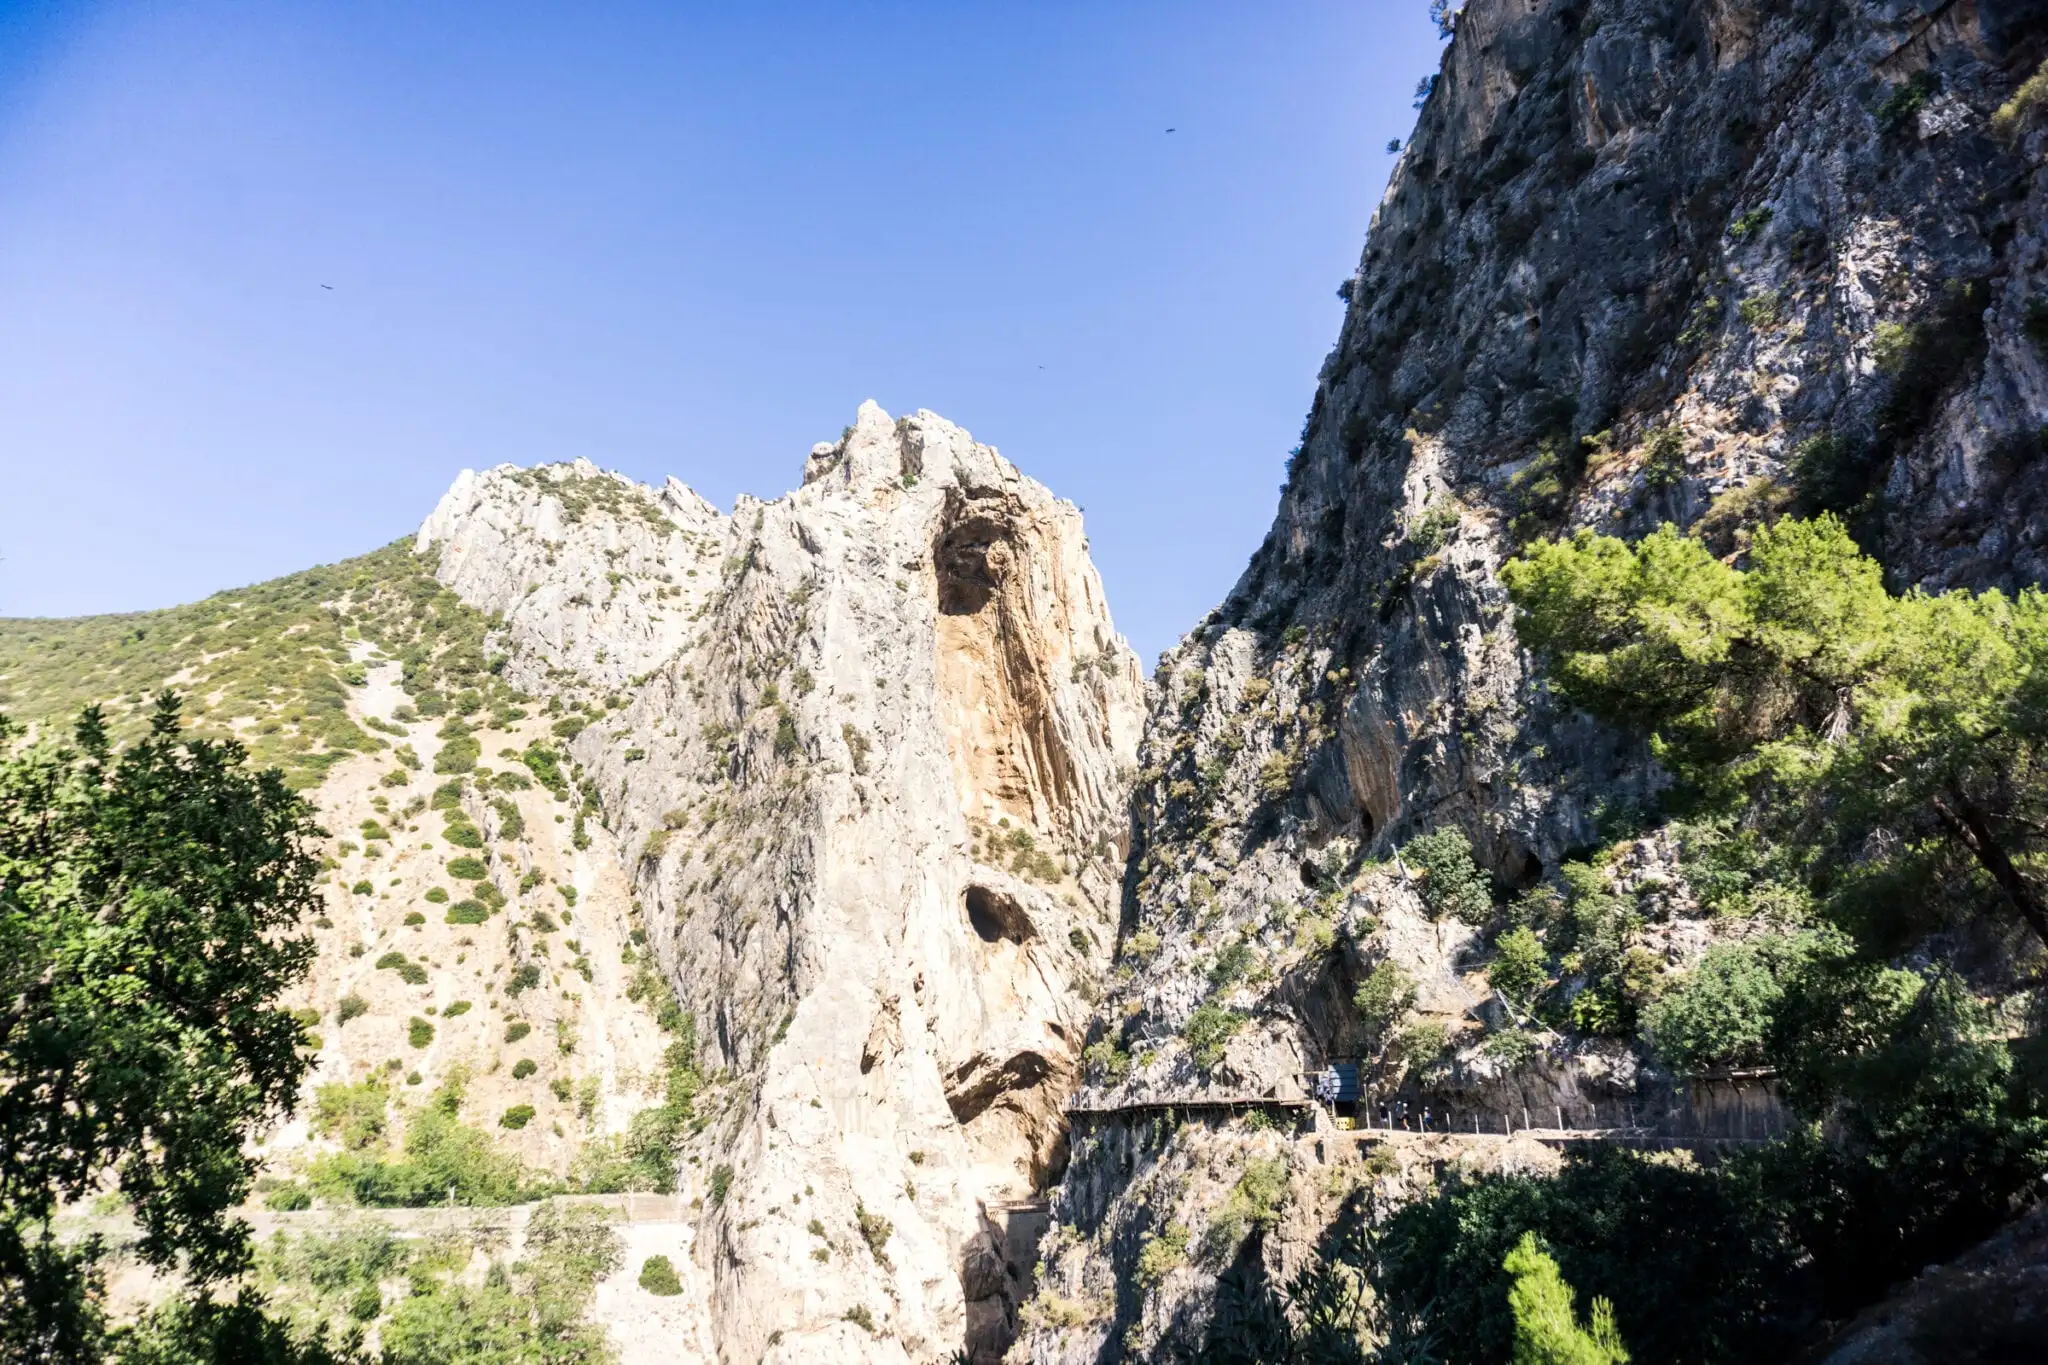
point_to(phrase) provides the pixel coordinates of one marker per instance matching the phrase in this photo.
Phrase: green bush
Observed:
(288, 1198)
(463, 835)
(510, 824)
(437, 895)
(1452, 883)
(1383, 1000)
(658, 1277)
(721, 1182)
(412, 973)
(523, 1068)
(413, 917)
(1161, 1253)
(353, 1115)
(516, 1030)
(458, 754)
(363, 888)
(467, 870)
(1721, 1011)
(1518, 970)
(518, 1116)
(874, 1230)
(1210, 1028)
(467, 912)
(351, 1006)
(524, 979)
(459, 1007)
(418, 1032)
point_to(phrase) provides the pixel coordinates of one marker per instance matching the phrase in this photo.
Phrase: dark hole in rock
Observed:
(996, 917)
(961, 560)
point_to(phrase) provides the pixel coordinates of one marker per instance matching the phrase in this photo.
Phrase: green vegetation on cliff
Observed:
(1863, 770)
(269, 664)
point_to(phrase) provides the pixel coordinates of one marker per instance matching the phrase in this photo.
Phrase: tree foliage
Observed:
(1547, 1330)
(1901, 742)
(1721, 1012)
(146, 902)
(1452, 883)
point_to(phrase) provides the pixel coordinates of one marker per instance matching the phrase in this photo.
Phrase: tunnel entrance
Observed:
(995, 917)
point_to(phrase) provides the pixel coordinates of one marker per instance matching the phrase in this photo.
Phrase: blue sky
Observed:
(673, 238)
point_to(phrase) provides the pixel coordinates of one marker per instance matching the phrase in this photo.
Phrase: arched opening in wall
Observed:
(994, 917)
(961, 560)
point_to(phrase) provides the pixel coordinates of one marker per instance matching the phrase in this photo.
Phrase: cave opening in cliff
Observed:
(994, 917)
(966, 577)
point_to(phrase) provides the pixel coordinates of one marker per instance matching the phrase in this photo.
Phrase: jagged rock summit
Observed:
(866, 749)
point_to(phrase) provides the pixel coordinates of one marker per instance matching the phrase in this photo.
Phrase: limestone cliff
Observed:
(1703, 261)
(866, 751)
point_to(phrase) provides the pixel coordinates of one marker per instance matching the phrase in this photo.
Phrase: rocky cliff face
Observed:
(1703, 261)
(866, 751)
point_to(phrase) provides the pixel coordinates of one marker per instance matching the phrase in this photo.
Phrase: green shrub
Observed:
(1721, 1011)
(458, 1008)
(437, 895)
(467, 870)
(363, 889)
(413, 917)
(874, 1230)
(1518, 970)
(860, 1317)
(721, 1182)
(1904, 103)
(353, 1115)
(458, 754)
(1254, 1201)
(2026, 103)
(523, 980)
(658, 1277)
(288, 1198)
(518, 1116)
(516, 1030)
(1161, 1253)
(351, 1006)
(419, 1032)
(1664, 454)
(523, 1068)
(412, 973)
(1383, 1000)
(1452, 883)
(1210, 1028)
(447, 796)
(511, 825)
(1762, 309)
(467, 912)
(567, 893)
(463, 835)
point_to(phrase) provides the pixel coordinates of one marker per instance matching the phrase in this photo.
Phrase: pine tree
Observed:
(1547, 1332)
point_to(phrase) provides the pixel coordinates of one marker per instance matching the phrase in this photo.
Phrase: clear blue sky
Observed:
(674, 238)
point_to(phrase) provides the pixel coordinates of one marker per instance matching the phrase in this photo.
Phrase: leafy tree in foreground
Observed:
(145, 902)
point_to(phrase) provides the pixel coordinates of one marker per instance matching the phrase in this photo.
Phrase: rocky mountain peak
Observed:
(866, 749)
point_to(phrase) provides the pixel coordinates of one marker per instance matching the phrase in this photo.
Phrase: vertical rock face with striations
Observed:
(867, 749)
(1699, 261)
